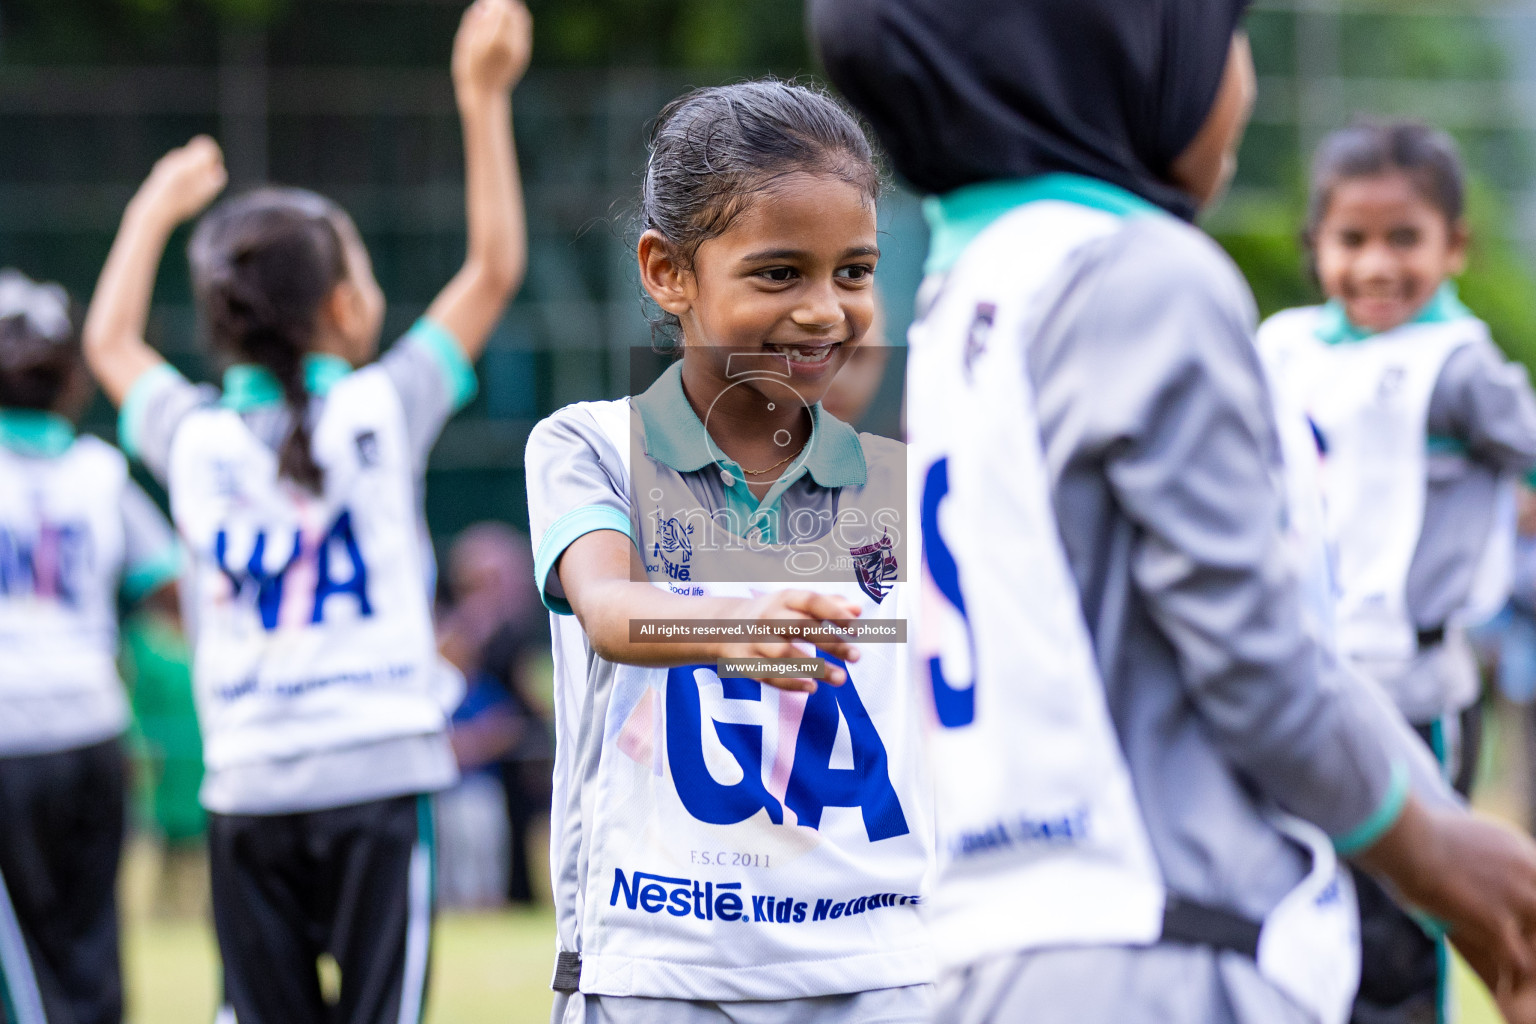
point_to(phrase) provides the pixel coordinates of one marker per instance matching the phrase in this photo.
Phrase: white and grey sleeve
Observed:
(151, 412)
(434, 380)
(1188, 445)
(576, 484)
(1486, 402)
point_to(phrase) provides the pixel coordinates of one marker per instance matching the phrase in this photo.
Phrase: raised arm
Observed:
(183, 182)
(490, 54)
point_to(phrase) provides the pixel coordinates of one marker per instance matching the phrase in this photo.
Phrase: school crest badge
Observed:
(976, 338)
(367, 443)
(874, 565)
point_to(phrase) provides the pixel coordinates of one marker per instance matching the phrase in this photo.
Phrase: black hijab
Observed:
(961, 91)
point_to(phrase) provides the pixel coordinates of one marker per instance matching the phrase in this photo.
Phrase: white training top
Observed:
(73, 529)
(316, 674)
(1368, 401)
(720, 839)
(1042, 841)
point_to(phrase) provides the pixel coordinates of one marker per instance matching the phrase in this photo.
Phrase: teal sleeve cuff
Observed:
(1530, 479)
(1364, 835)
(144, 578)
(130, 419)
(1443, 444)
(562, 533)
(458, 371)
(1433, 927)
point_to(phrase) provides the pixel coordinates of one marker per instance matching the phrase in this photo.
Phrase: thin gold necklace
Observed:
(776, 465)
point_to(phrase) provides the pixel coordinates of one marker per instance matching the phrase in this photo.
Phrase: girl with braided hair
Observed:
(297, 489)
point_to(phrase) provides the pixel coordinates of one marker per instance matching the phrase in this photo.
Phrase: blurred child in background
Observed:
(494, 631)
(1506, 645)
(75, 533)
(1421, 426)
(297, 489)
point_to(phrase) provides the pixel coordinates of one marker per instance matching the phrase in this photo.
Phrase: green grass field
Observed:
(486, 969)
(494, 968)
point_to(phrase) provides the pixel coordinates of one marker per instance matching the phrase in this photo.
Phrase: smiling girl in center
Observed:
(736, 847)
(1420, 426)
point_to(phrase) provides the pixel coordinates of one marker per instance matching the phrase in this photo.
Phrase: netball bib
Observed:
(61, 556)
(313, 632)
(737, 841)
(1041, 842)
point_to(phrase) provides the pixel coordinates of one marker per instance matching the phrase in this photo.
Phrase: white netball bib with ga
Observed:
(741, 842)
(1368, 401)
(313, 630)
(61, 556)
(1040, 840)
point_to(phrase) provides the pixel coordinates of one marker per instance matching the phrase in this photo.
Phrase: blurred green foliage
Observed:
(1433, 40)
(761, 35)
(764, 35)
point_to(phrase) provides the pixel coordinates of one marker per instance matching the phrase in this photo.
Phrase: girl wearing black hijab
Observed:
(1147, 760)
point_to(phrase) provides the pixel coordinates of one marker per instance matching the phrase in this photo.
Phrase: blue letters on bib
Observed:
(47, 564)
(813, 784)
(266, 584)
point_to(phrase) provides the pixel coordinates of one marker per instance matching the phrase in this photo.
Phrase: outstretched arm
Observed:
(183, 182)
(598, 573)
(490, 54)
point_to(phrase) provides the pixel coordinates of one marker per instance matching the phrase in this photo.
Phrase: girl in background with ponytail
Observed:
(297, 490)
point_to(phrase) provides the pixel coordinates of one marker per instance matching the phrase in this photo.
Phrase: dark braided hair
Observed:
(263, 264)
(713, 149)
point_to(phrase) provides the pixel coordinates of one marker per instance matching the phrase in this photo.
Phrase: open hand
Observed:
(804, 606)
(183, 181)
(493, 46)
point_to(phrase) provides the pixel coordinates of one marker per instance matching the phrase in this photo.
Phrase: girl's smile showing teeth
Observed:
(806, 355)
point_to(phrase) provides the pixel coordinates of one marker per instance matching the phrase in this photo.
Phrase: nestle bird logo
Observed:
(672, 540)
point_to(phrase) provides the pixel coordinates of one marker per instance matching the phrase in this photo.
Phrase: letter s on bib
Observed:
(954, 705)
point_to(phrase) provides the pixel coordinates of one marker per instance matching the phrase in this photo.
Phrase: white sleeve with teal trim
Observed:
(434, 379)
(576, 485)
(151, 412)
(152, 558)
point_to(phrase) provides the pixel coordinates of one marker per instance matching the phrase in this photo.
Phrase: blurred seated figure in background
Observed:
(494, 630)
(1506, 647)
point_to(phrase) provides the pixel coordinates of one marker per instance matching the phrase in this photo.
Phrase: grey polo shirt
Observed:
(577, 483)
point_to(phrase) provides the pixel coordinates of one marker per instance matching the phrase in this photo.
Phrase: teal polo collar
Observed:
(675, 436)
(956, 218)
(1333, 325)
(247, 386)
(35, 433)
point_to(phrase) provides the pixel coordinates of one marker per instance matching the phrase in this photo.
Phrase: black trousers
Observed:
(354, 882)
(1400, 968)
(61, 840)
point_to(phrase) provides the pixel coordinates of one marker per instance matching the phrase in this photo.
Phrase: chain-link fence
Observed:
(352, 98)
